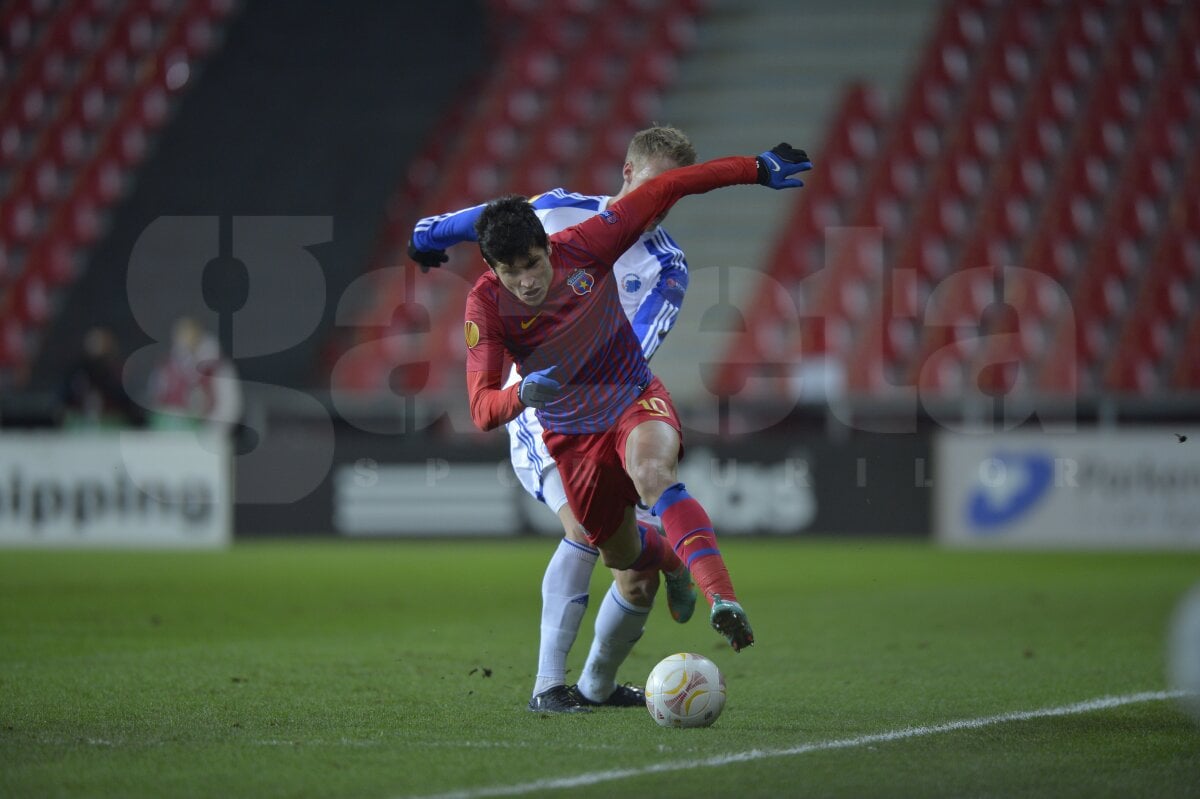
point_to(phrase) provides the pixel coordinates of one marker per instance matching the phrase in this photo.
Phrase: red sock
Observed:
(690, 532)
(656, 553)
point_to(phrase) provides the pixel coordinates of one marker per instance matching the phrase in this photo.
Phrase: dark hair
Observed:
(508, 229)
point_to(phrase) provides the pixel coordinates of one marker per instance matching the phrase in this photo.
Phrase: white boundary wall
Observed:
(115, 489)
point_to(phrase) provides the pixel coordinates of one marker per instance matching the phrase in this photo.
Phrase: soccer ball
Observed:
(685, 690)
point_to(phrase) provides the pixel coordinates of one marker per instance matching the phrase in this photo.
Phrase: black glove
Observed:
(428, 259)
(777, 165)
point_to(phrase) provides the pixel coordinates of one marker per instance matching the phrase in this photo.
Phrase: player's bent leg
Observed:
(681, 590)
(651, 450)
(640, 587)
(656, 553)
(652, 458)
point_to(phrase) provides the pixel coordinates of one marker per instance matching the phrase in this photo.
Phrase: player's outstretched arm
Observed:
(607, 235)
(433, 235)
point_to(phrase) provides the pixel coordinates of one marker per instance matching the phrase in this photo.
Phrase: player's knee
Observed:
(652, 476)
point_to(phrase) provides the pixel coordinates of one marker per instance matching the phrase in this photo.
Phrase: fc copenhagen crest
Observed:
(471, 330)
(581, 282)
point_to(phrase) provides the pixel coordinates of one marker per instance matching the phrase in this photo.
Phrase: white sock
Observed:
(564, 600)
(619, 625)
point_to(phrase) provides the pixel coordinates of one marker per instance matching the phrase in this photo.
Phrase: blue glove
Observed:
(777, 165)
(539, 388)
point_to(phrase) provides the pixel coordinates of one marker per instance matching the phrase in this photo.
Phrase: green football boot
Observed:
(729, 619)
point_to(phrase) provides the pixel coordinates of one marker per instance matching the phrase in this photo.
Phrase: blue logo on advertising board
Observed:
(1009, 485)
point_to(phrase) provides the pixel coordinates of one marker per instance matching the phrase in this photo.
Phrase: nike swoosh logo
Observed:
(525, 325)
(774, 164)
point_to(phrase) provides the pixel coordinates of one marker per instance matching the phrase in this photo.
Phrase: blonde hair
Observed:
(662, 141)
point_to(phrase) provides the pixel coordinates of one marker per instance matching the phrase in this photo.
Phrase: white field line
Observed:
(597, 777)
(380, 742)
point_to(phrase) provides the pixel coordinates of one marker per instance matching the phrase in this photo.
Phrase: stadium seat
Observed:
(1044, 135)
(13, 350)
(616, 80)
(1186, 373)
(1133, 374)
(73, 124)
(18, 219)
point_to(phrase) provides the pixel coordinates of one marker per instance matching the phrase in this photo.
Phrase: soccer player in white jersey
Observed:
(652, 277)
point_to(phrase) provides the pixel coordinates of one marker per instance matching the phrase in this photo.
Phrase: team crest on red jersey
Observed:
(581, 282)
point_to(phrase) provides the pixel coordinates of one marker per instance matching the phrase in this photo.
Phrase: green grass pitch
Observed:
(395, 669)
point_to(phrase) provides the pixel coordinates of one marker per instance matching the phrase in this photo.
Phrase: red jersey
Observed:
(580, 328)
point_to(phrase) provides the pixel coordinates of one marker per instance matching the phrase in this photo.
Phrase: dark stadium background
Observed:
(1058, 138)
(942, 405)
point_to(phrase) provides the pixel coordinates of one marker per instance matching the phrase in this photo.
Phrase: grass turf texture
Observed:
(397, 669)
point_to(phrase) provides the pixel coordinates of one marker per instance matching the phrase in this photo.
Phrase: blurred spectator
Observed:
(195, 386)
(93, 394)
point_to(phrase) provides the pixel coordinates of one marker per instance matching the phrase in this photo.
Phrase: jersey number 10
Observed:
(657, 406)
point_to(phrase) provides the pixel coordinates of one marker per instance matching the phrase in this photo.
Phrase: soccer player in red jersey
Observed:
(549, 303)
(652, 279)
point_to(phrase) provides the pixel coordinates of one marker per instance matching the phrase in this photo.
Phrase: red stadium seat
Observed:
(89, 107)
(1167, 295)
(65, 143)
(1133, 375)
(29, 105)
(103, 180)
(70, 121)
(12, 341)
(18, 219)
(653, 69)
(74, 32)
(30, 299)
(45, 180)
(1186, 373)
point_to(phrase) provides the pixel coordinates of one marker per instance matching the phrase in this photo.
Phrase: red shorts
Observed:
(592, 465)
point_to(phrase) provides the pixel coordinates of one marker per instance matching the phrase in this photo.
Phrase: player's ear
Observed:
(549, 248)
(627, 172)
